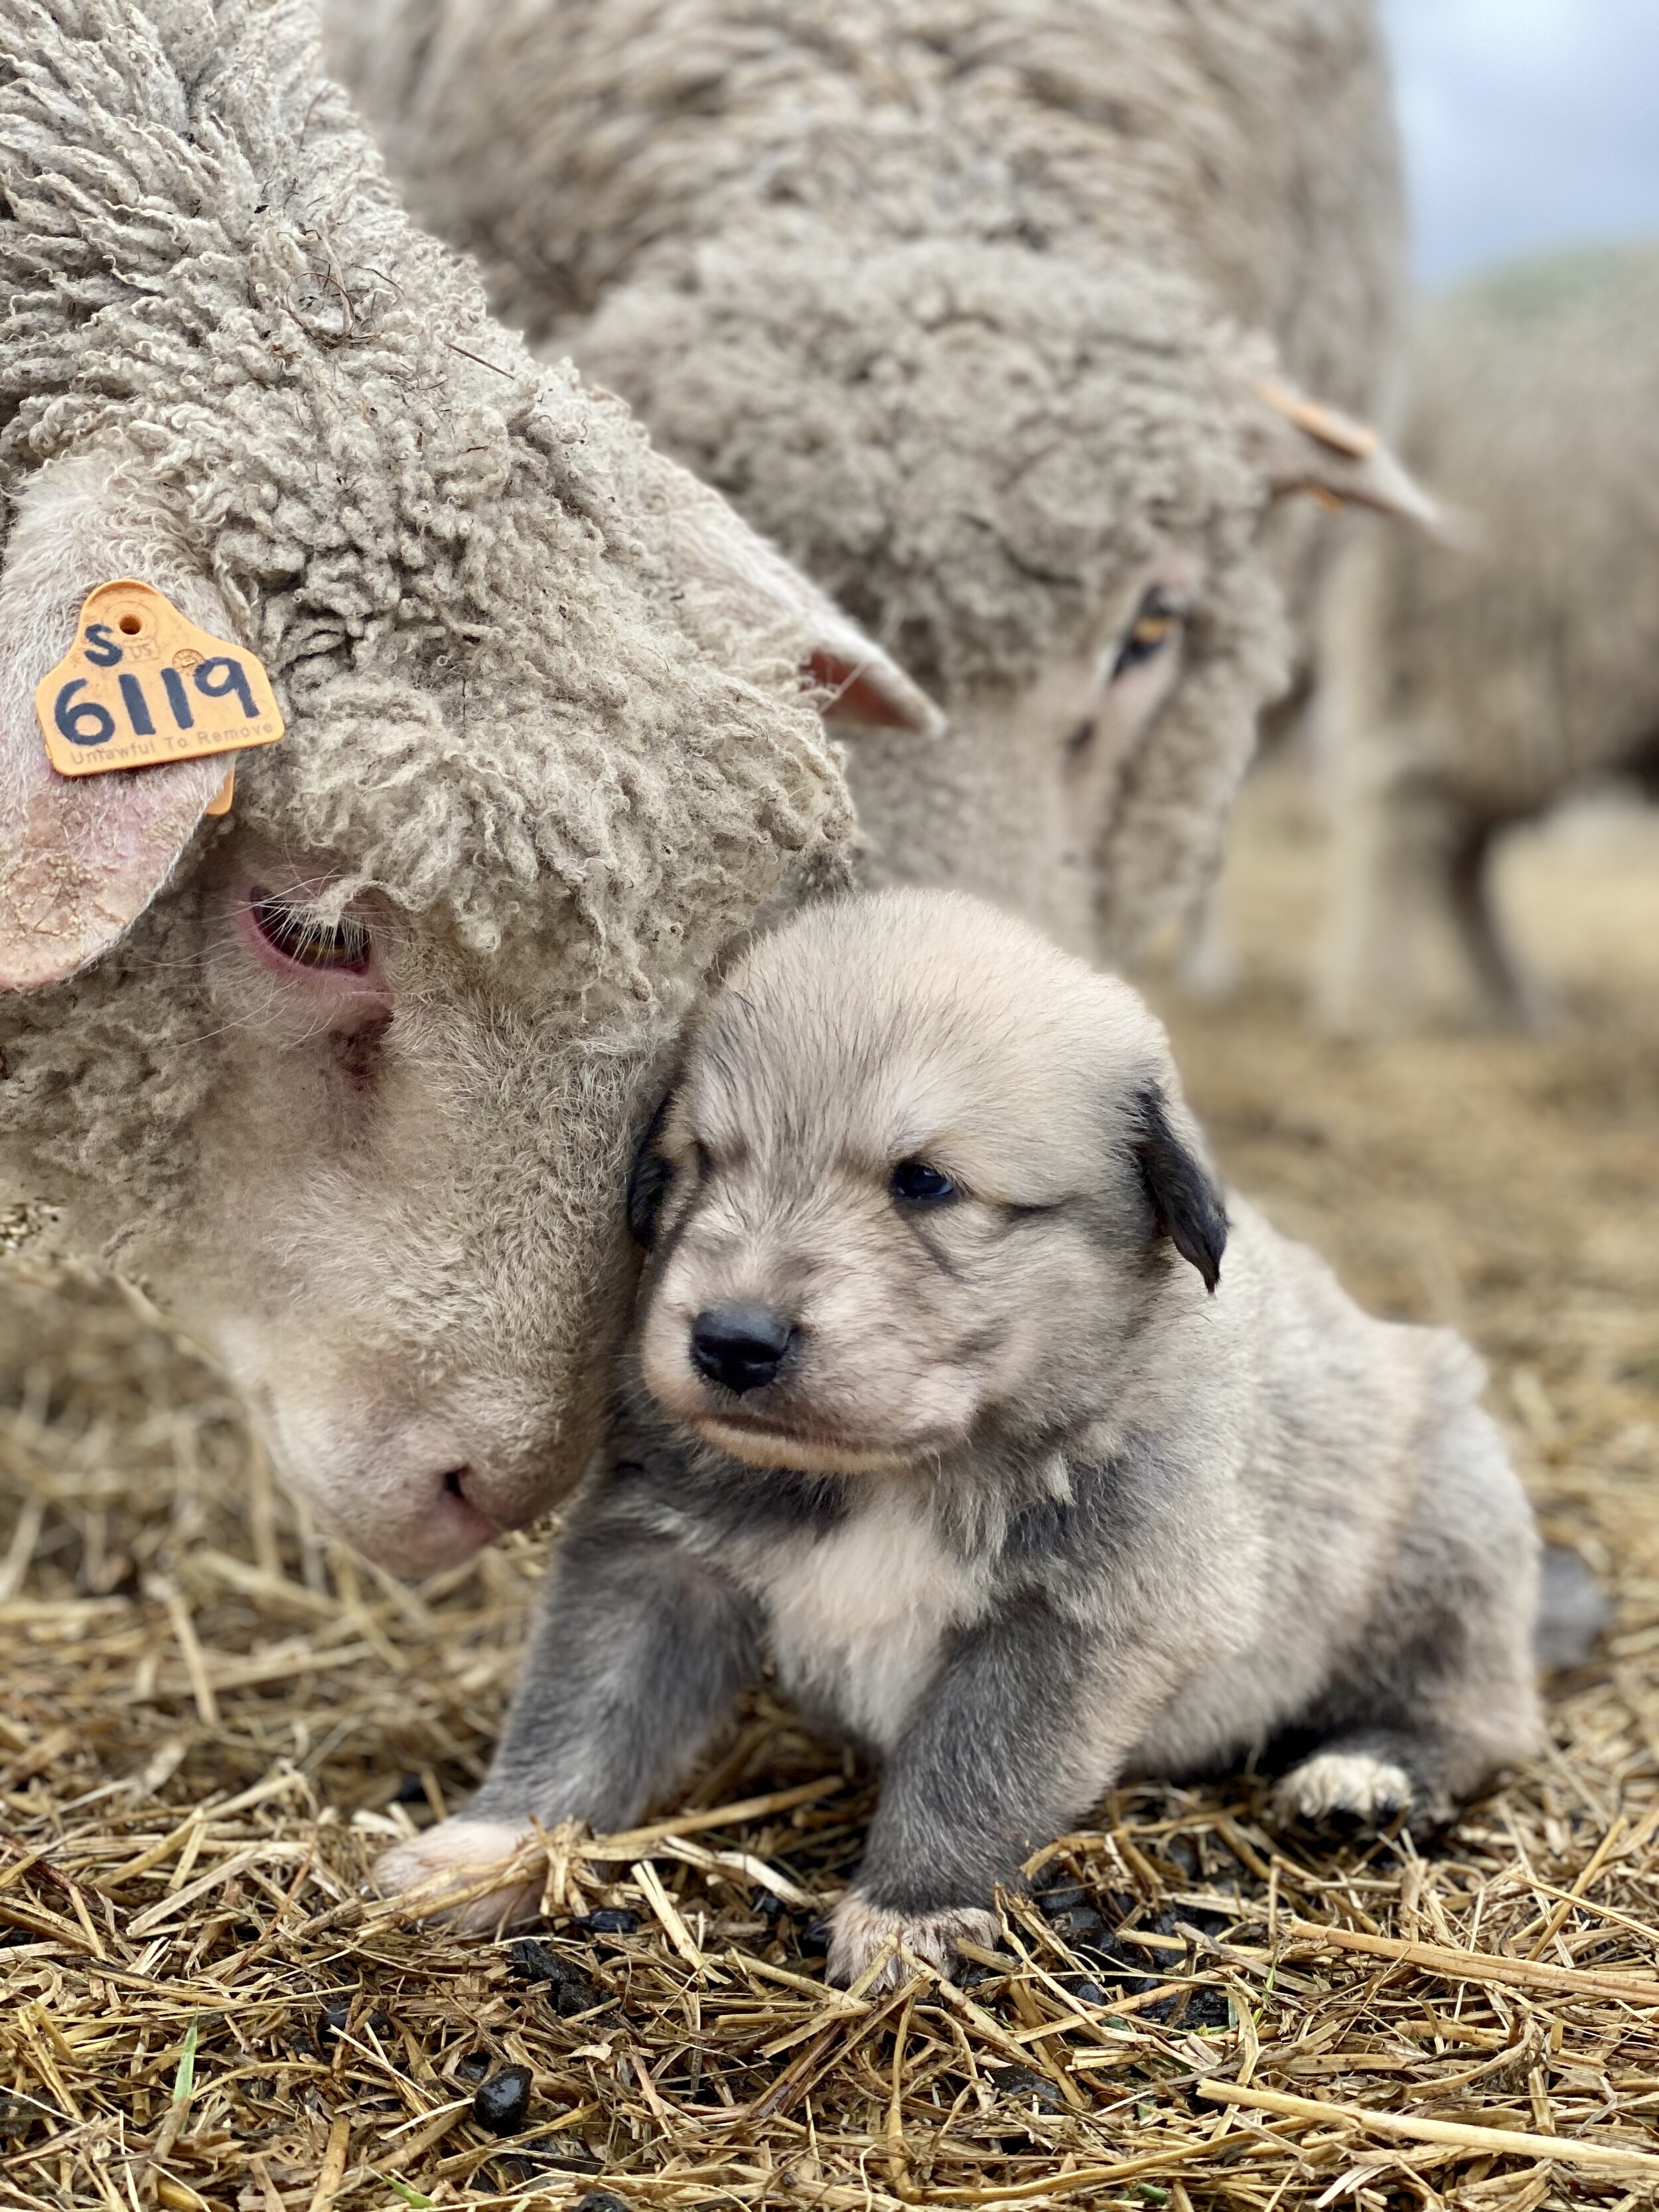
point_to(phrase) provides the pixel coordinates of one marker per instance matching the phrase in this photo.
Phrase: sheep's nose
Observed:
(740, 1347)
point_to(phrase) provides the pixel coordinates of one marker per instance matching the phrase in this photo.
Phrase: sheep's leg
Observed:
(1207, 962)
(1499, 987)
(639, 1652)
(1416, 939)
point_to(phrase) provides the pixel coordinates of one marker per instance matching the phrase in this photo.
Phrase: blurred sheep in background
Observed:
(1472, 690)
(983, 313)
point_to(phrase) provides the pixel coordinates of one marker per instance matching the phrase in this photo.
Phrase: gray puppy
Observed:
(942, 1399)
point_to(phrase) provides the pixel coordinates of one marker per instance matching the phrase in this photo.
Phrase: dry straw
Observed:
(213, 1721)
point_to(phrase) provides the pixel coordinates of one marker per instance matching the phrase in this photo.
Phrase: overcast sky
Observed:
(1528, 123)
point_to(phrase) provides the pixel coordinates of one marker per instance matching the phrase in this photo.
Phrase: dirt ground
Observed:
(212, 1719)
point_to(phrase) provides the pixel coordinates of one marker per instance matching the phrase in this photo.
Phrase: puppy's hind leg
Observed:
(1370, 1778)
(1437, 1688)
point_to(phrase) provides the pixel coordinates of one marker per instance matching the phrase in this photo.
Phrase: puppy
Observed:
(958, 1395)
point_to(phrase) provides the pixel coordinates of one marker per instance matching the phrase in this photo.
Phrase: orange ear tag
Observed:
(142, 685)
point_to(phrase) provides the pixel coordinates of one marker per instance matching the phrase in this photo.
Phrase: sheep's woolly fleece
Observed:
(850, 407)
(579, 146)
(500, 706)
(950, 300)
(1508, 670)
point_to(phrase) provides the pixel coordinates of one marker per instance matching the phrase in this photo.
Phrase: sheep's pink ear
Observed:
(727, 576)
(81, 858)
(1315, 448)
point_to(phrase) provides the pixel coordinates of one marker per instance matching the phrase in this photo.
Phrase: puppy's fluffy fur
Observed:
(1065, 1471)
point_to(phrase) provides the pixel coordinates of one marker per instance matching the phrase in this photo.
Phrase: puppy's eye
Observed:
(1156, 621)
(918, 1184)
(337, 947)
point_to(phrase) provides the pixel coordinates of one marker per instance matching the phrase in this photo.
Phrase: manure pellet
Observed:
(570, 1990)
(537, 1962)
(610, 1920)
(1055, 1904)
(1207, 2007)
(502, 2101)
(1082, 1925)
(335, 2020)
(1207, 1923)
(1025, 2085)
(602, 2200)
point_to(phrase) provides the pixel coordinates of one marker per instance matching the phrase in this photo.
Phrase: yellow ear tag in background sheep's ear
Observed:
(142, 685)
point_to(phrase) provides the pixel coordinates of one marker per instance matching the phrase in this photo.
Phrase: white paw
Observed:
(859, 1931)
(446, 1874)
(1353, 1782)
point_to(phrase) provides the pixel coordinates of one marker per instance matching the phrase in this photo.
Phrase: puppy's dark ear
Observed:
(647, 1179)
(1182, 1193)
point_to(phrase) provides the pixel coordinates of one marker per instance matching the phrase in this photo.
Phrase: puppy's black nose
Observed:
(740, 1347)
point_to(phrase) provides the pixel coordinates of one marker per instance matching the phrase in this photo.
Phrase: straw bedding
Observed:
(213, 1719)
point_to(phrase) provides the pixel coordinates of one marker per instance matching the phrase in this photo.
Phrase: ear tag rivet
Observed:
(142, 685)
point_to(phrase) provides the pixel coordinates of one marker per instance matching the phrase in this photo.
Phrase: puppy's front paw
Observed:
(1354, 1783)
(445, 1874)
(859, 1930)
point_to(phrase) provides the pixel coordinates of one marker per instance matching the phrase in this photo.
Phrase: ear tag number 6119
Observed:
(142, 685)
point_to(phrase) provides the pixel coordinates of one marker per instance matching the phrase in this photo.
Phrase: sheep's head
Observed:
(1050, 483)
(348, 1078)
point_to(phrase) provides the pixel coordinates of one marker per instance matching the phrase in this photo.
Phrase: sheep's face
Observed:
(909, 1182)
(1049, 480)
(400, 1226)
(350, 1079)
(1045, 761)
(380, 1144)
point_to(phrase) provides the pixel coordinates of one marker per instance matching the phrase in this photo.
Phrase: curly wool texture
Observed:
(501, 714)
(854, 398)
(1503, 674)
(976, 548)
(947, 298)
(578, 146)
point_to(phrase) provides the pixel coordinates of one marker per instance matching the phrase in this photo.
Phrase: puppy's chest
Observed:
(859, 1616)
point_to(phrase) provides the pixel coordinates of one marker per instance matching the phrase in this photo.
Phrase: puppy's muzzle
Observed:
(740, 1347)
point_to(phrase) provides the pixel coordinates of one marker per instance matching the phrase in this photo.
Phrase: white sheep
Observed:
(1472, 690)
(978, 307)
(349, 1076)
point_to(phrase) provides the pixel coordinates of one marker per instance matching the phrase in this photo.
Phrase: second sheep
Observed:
(1474, 689)
(980, 313)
